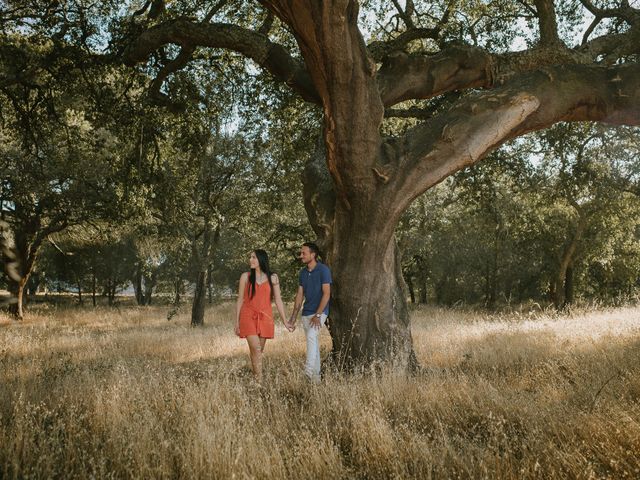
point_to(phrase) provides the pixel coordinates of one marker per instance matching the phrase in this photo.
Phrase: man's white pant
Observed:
(312, 366)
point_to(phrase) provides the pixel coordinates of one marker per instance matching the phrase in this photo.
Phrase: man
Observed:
(315, 287)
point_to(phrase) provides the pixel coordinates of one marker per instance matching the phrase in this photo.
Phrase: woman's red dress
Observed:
(256, 316)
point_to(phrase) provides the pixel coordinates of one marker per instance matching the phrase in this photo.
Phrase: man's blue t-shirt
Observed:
(311, 283)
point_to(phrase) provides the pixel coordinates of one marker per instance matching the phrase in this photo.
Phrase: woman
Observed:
(254, 318)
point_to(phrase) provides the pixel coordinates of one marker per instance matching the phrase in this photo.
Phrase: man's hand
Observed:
(315, 322)
(291, 324)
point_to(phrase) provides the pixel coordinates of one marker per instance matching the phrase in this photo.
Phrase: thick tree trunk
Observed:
(370, 323)
(199, 300)
(351, 202)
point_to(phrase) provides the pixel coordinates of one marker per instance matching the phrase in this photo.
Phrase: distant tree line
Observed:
(555, 218)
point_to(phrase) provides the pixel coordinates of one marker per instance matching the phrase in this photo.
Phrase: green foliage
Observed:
(497, 232)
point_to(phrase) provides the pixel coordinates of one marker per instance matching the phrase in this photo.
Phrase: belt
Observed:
(259, 315)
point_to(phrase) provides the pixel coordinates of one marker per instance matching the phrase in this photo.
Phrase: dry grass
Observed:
(126, 394)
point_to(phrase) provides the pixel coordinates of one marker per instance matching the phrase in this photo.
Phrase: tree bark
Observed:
(370, 323)
(199, 300)
(93, 287)
(568, 286)
(210, 283)
(11, 264)
(27, 247)
(210, 240)
(346, 196)
(16, 289)
(566, 261)
(137, 285)
(412, 294)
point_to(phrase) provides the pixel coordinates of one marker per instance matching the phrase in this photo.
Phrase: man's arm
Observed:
(326, 294)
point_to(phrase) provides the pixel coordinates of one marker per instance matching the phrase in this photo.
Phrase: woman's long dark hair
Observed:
(263, 261)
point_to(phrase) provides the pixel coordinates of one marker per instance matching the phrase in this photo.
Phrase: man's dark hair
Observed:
(313, 248)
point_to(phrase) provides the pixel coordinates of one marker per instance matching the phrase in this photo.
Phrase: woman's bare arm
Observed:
(241, 288)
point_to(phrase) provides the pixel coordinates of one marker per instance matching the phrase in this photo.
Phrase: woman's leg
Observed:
(255, 352)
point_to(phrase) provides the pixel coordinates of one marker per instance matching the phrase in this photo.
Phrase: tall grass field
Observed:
(111, 393)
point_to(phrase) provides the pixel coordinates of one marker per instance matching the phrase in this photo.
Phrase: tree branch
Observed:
(613, 46)
(381, 49)
(404, 77)
(189, 34)
(406, 16)
(626, 12)
(533, 101)
(547, 21)
(215, 9)
(528, 7)
(413, 112)
(460, 66)
(591, 28)
(181, 60)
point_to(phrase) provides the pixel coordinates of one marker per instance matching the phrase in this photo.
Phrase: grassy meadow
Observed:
(125, 393)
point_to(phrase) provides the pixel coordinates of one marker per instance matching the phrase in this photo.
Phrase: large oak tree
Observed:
(452, 70)
(476, 97)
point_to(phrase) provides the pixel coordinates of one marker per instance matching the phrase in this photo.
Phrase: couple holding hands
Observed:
(259, 287)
